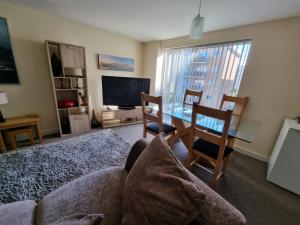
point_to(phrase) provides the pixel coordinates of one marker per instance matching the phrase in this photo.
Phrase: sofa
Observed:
(101, 192)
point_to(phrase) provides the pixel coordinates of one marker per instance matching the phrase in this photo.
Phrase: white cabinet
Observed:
(284, 163)
(79, 123)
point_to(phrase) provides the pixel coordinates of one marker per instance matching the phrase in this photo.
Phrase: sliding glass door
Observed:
(214, 69)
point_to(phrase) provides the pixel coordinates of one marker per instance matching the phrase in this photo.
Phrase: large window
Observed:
(214, 69)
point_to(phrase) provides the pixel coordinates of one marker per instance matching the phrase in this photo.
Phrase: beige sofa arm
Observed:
(134, 153)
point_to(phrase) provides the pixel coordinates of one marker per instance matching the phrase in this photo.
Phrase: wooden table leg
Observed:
(39, 131)
(181, 132)
(2, 144)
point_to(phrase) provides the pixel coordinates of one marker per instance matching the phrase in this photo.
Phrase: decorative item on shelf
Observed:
(73, 71)
(56, 65)
(69, 103)
(8, 69)
(197, 25)
(82, 101)
(109, 62)
(76, 83)
(94, 122)
(66, 103)
(65, 124)
(62, 83)
(3, 100)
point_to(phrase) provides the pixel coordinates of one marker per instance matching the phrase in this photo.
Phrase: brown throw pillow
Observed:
(80, 219)
(159, 190)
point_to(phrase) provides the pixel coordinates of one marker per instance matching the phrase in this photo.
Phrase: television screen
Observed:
(123, 91)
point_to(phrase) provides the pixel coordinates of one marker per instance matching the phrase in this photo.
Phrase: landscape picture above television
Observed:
(109, 62)
(124, 92)
(8, 70)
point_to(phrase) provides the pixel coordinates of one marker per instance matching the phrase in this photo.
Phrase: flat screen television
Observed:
(124, 92)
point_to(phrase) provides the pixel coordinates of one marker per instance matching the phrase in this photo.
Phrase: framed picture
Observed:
(8, 69)
(109, 62)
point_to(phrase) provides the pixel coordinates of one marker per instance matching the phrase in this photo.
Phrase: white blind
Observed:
(214, 69)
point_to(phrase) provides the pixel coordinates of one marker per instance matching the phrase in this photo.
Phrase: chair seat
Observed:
(154, 127)
(210, 149)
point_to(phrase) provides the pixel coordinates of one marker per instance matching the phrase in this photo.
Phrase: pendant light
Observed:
(197, 25)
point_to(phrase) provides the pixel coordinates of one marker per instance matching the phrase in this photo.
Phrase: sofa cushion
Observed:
(18, 213)
(159, 190)
(98, 192)
(216, 210)
(134, 153)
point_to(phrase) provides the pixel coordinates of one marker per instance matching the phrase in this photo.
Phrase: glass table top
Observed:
(246, 131)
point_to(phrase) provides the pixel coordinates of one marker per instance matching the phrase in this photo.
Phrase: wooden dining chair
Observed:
(210, 146)
(240, 104)
(153, 123)
(191, 94)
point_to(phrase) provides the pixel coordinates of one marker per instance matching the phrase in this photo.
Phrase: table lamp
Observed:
(3, 100)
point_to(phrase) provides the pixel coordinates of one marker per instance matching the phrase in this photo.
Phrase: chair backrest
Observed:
(219, 140)
(149, 116)
(193, 95)
(240, 104)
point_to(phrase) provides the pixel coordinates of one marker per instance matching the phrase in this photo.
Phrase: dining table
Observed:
(181, 116)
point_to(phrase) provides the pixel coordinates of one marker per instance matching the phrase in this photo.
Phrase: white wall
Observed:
(150, 58)
(29, 29)
(271, 78)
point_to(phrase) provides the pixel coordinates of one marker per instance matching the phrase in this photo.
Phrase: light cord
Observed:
(200, 6)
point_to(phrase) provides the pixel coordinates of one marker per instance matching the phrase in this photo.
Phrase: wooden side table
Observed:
(19, 122)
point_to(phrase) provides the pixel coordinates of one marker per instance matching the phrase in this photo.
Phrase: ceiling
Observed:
(147, 20)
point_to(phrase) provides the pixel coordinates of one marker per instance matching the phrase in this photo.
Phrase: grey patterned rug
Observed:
(34, 172)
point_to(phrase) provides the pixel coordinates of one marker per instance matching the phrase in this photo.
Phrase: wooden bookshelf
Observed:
(69, 81)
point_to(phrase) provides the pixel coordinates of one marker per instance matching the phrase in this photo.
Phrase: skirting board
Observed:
(50, 131)
(250, 153)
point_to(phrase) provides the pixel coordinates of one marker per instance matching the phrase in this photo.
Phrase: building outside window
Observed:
(214, 69)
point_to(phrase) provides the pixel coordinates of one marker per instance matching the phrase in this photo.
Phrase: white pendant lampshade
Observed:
(197, 25)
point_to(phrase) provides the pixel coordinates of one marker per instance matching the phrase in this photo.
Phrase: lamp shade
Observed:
(197, 27)
(3, 98)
